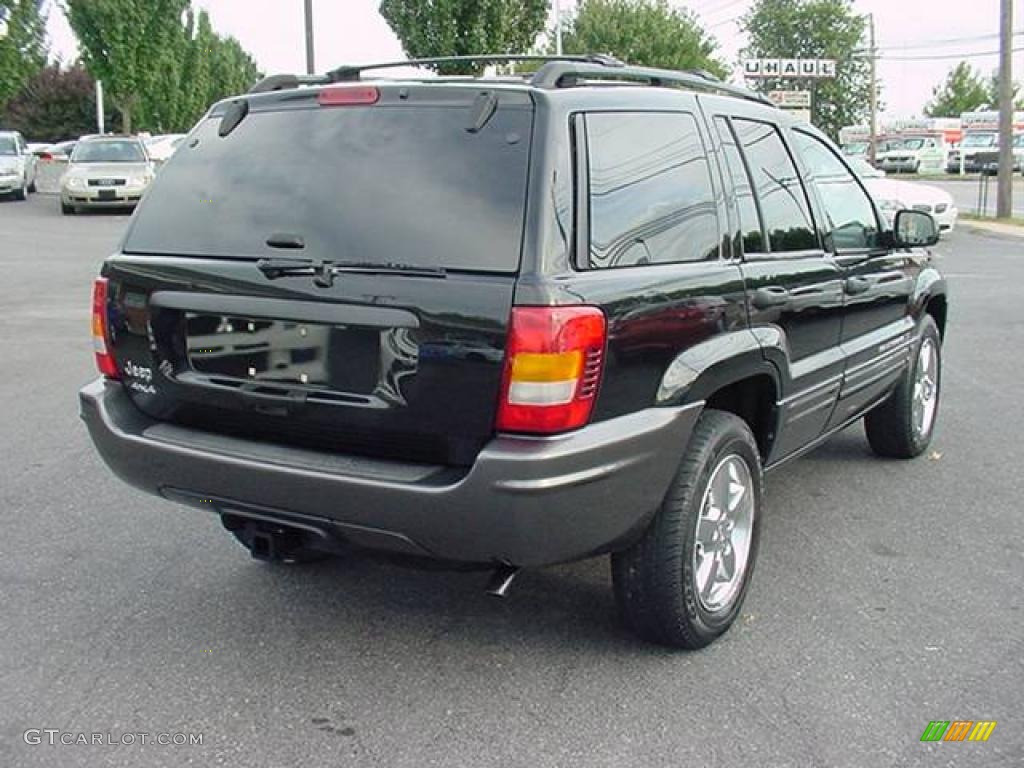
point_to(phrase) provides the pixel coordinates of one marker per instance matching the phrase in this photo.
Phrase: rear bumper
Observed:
(525, 501)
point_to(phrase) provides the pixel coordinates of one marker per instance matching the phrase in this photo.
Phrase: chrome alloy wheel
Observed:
(721, 549)
(925, 400)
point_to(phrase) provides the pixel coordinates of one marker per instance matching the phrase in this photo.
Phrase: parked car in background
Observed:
(17, 166)
(105, 172)
(162, 147)
(893, 196)
(914, 154)
(988, 161)
(973, 144)
(57, 153)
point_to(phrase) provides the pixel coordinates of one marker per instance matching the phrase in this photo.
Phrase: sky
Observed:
(911, 36)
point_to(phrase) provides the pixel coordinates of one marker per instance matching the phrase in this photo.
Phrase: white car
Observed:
(105, 172)
(893, 196)
(17, 166)
(160, 148)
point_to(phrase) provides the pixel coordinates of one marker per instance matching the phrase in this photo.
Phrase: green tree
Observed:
(161, 62)
(825, 29)
(963, 90)
(462, 27)
(993, 93)
(54, 105)
(131, 45)
(22, 45)
(232, 71)
(647, 32)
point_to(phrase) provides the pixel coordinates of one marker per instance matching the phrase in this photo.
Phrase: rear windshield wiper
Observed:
(323, 272)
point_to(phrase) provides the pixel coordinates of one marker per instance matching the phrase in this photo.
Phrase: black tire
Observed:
(21, 193)
(655, 580)
(891, 427)
(287, 549)
(67, 210)
(32, 187)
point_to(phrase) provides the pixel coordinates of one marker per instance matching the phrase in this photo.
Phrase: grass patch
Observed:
(1013, 221)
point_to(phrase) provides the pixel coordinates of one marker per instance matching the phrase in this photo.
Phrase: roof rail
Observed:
(282, 82)
(561, 74)
(557, 72)
(354, 71)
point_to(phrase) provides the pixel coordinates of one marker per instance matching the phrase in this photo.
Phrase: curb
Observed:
(993, 229)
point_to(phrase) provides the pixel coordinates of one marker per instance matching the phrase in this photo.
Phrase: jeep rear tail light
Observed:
(553, 367)
(101, 330)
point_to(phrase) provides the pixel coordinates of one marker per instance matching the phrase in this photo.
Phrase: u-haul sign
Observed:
(789, 68)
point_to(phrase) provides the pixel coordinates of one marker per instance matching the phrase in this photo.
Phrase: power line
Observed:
(943, 43)
(715, 10)
(948, 57)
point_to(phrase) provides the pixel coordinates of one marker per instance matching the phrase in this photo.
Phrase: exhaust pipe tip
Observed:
(501, 580)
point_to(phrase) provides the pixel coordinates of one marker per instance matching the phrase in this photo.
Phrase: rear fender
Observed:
(705, 368)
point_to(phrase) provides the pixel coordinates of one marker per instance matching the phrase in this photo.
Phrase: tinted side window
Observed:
(851, 217)
(651, 199)
(781, 195)
(750, 217)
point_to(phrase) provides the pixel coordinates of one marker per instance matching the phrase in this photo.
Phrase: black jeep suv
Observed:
(510, 322)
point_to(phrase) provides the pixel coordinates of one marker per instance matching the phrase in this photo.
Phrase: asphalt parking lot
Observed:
(887, 594)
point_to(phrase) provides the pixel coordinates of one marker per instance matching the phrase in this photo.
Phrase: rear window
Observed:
(109, 152)
(385, 184)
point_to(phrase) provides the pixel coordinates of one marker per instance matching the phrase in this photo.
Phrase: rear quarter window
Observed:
(651, 199)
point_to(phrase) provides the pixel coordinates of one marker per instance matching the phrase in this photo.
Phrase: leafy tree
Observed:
(232, 70)
(462, 27)
(22, 44)
(964, 90)
(161, 62)
(993, 93)
(128, 44)
(647, 32)
(825, 29)
(54, 105)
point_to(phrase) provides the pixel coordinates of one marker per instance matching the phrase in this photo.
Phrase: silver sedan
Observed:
(105, 172)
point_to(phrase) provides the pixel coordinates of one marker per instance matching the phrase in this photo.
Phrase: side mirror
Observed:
(914, 229)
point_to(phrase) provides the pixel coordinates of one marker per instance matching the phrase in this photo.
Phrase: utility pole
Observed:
(101, 122)
(1004, 200)
(310, 64)
(558, 27)
(873, 53)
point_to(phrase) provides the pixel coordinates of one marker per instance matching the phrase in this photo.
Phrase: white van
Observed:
(915, 154)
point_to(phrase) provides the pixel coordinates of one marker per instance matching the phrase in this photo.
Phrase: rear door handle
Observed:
(770, 296)
(855, 285)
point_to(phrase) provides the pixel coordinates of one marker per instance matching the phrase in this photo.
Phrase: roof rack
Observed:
(564, 71)
(353, 72)
(559, 74)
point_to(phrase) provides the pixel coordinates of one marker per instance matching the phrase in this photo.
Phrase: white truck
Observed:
(921, 146)
(980, 143)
